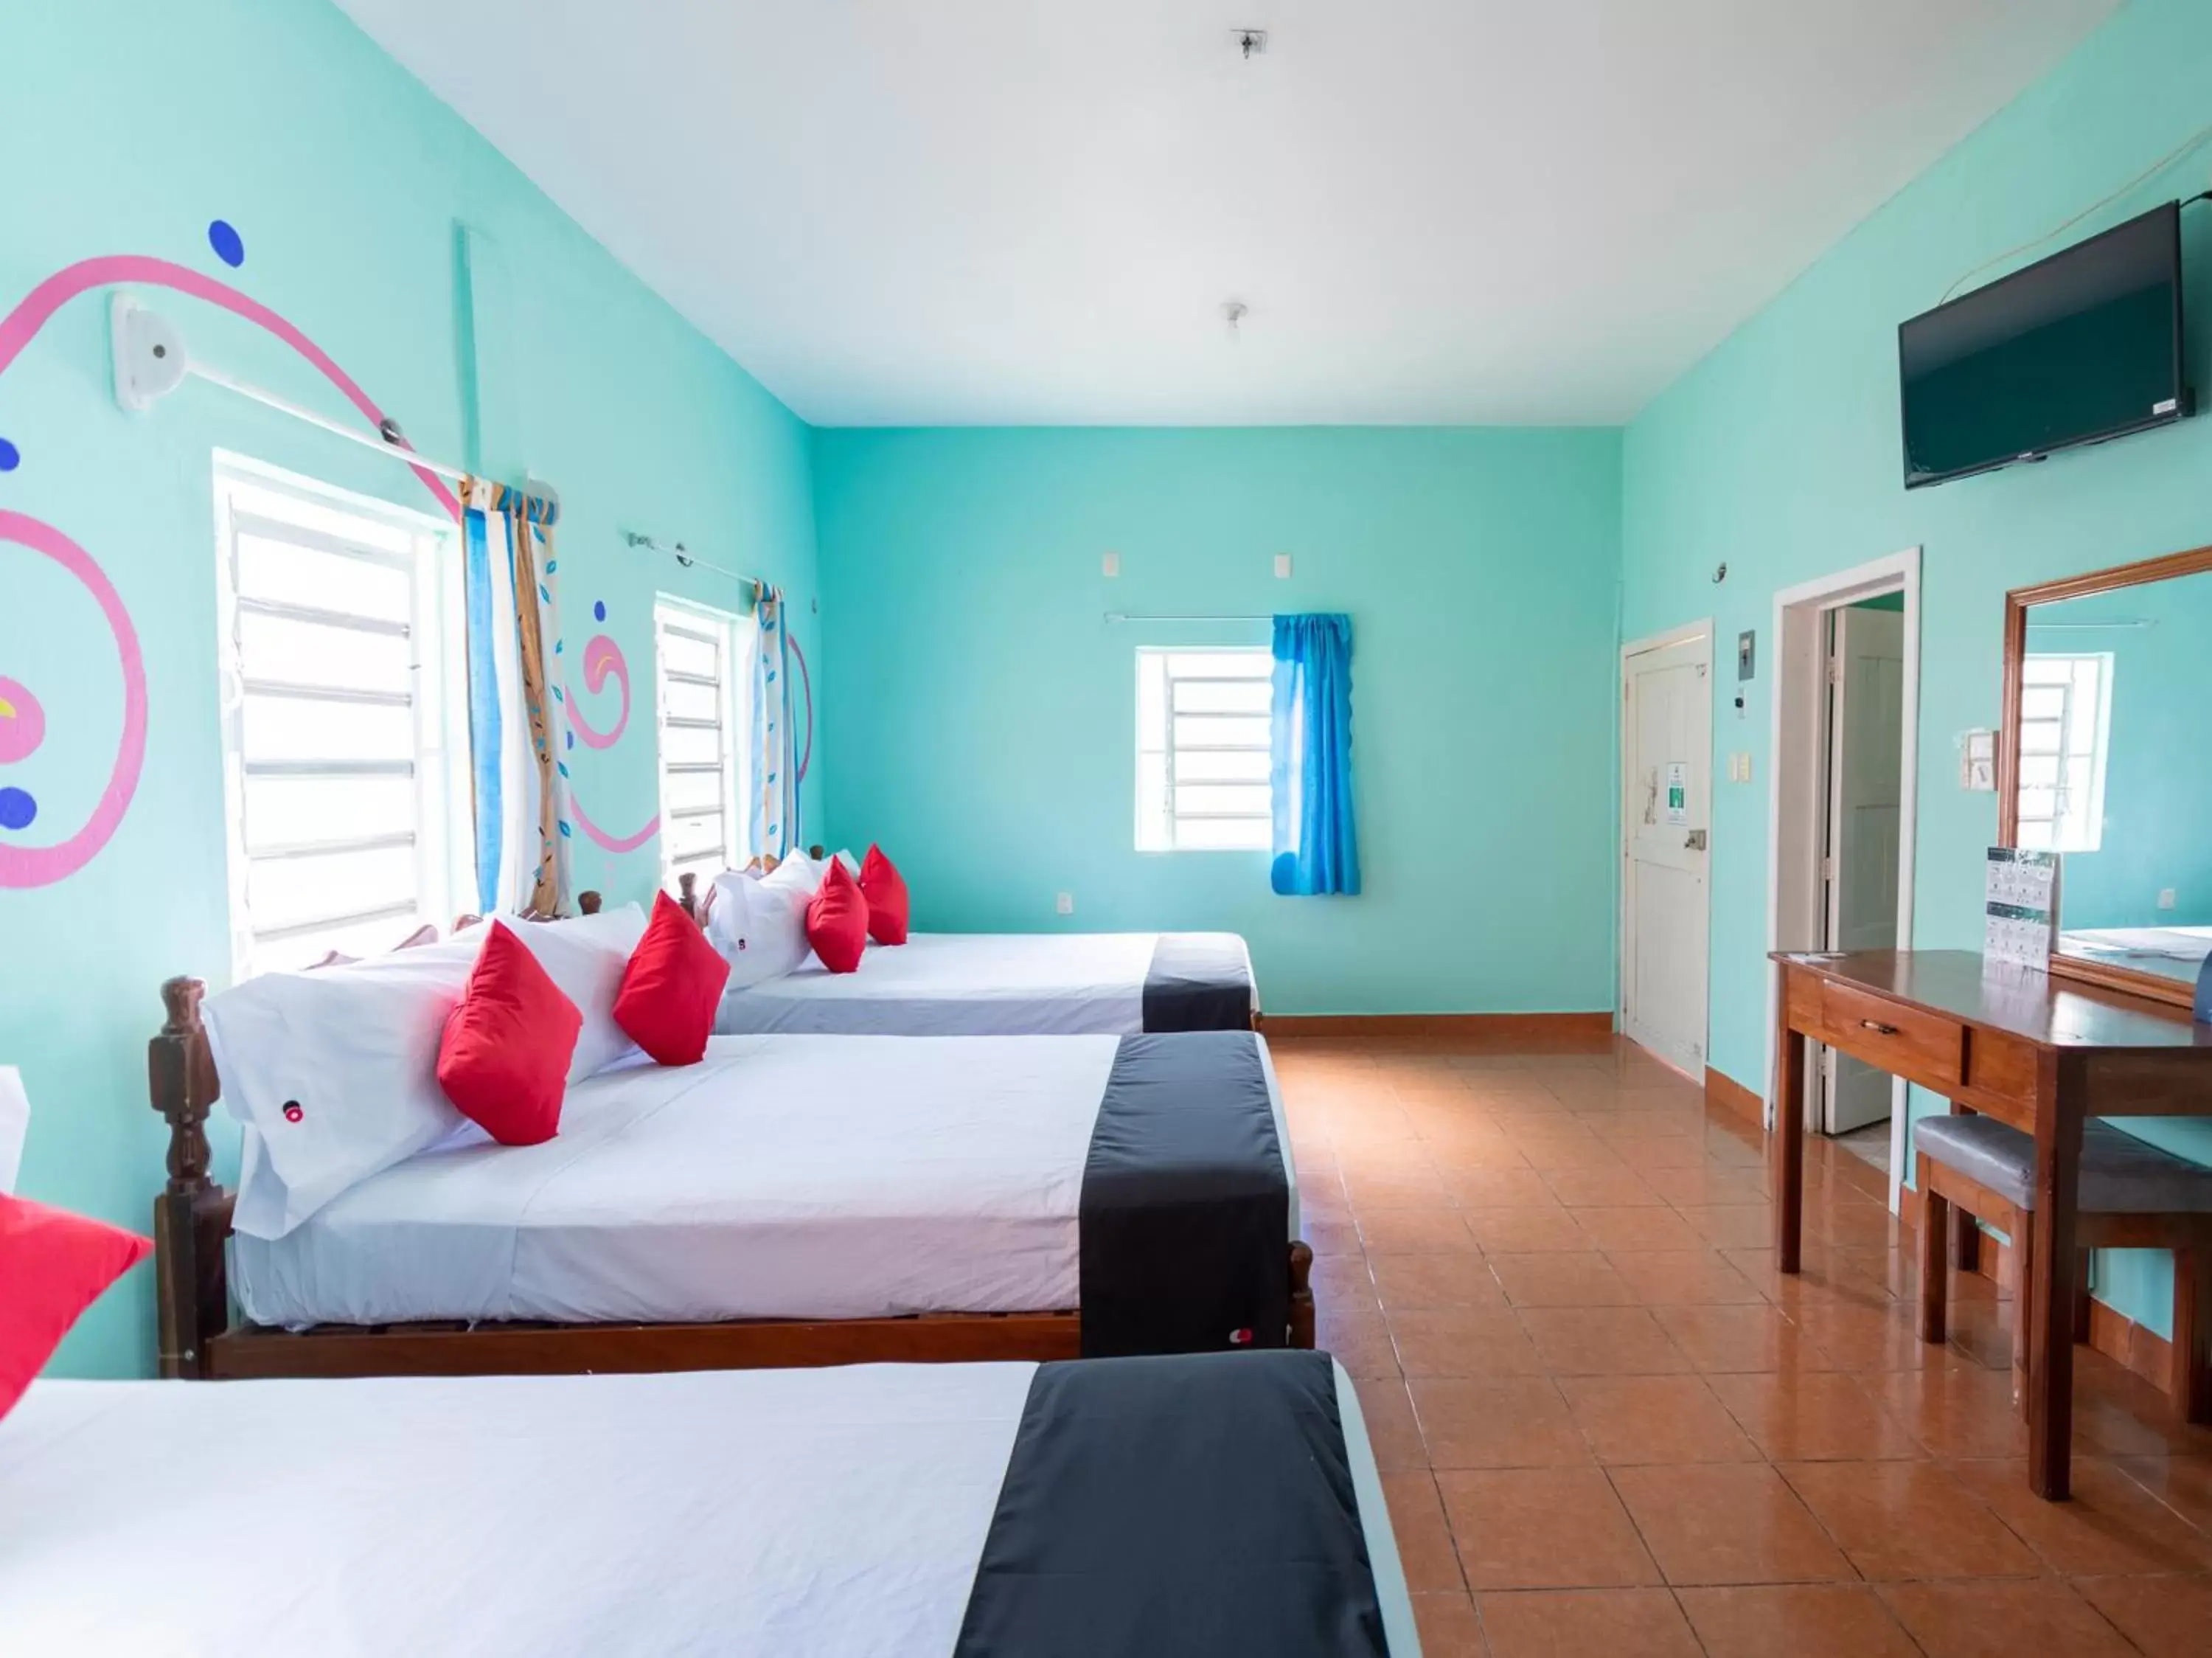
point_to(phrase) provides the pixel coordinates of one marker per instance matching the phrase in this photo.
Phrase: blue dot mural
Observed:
(229, 246)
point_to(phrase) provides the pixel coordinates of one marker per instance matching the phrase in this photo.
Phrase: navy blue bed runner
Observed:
(1185, 1214)
(1198, 981)
(1192, 1505)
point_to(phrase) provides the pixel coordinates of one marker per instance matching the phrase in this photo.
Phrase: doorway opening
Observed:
(1666, 753)
(1844, 759)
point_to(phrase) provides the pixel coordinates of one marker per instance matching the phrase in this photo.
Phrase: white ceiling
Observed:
(1018, 211)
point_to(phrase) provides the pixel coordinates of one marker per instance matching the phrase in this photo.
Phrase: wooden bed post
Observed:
(687, 885)
(192, 1217)
(587, 903)
(1302, 1298)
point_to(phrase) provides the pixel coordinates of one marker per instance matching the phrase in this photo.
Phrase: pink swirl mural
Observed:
(603, 660)
(22, 728)
(22, 717)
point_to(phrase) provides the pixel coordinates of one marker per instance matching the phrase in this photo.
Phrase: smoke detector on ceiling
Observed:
(1251, 42)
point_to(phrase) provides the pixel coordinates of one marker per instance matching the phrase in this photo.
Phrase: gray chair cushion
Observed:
(2120, 1175)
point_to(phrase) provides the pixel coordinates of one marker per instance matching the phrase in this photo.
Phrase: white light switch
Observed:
(1111, 563)
(2165, 898)
(1065, 903)
(1977, 761)
(1282, 566)
(1740, 766)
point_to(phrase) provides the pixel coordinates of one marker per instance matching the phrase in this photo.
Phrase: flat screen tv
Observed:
(2083, 346)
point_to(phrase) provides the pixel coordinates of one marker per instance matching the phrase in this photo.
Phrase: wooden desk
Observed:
(2038, 1052)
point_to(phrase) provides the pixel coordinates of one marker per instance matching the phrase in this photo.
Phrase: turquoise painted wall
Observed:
(1780, 454)
(984, 721)
(466, 304)
(2158, 788)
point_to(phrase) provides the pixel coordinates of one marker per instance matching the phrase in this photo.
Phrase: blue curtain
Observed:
(484, 719)
(1316, 842)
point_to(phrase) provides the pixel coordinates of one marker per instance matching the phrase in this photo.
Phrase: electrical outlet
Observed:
(1065, 903)
(1740, 766)
(1111, 563)
(1282, 566)
(2165, 898)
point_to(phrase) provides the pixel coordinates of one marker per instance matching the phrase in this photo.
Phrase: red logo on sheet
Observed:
(292, 1112)
(1240, 1337)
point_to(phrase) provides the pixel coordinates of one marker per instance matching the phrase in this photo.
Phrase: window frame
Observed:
(1163, 835)
(2089, 835)
(251, 496)
(736, 635)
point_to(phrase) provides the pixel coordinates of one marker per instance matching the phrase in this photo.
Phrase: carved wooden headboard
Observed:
(191, 1216)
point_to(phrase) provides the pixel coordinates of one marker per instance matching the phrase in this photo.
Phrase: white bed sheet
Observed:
(2179, 944)
(962, 985)
(825, 1512)
(783, 1177)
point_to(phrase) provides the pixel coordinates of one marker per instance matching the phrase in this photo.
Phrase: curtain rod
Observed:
(1139, 616)
(388, 440)
(334, 428)
(684, 556)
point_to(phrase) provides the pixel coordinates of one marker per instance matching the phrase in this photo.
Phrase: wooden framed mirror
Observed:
(2103, 758)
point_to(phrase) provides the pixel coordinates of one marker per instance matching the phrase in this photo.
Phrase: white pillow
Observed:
(758, 924)
(586, 956)
(353, 1052)
(798, 873)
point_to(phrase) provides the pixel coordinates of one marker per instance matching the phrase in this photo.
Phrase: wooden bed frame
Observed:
(197, 1341)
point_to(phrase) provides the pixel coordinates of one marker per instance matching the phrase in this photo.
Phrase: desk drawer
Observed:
(1923, 1046)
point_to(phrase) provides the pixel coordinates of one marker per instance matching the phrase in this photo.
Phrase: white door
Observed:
(1866, 738)
(1667, 752)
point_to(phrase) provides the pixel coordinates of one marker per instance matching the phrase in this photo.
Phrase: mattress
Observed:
(2156, 944)
(991, 983)
(783, 1177)
(828, 1512)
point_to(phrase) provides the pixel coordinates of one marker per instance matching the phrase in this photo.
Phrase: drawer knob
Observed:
(1877, 1027)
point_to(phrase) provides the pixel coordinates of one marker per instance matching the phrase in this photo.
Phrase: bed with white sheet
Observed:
(785, 1200)
(782, 1177)
(2170, 952)
(850, 1511)
(1011, 983)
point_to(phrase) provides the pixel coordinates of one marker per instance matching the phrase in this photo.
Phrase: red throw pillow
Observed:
(53, 1264)
(884, 888)
(837, 919)
(671, 987)
(504, 1058)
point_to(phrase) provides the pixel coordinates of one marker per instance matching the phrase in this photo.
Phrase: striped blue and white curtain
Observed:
(518, 719)
(775, 746)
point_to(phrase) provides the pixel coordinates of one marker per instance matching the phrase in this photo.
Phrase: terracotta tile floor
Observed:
(1608, 1425)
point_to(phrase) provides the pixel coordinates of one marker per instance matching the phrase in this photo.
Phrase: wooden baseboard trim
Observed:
(1560, 1032)
(1731, 1096)
(2111, 1333)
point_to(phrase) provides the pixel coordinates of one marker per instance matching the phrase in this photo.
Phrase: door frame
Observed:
(1692, 633)
(1796, 752)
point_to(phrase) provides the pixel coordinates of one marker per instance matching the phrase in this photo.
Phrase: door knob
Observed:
(1696, 842)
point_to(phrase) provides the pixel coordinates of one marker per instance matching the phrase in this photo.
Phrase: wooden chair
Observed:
(2134, 1196)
